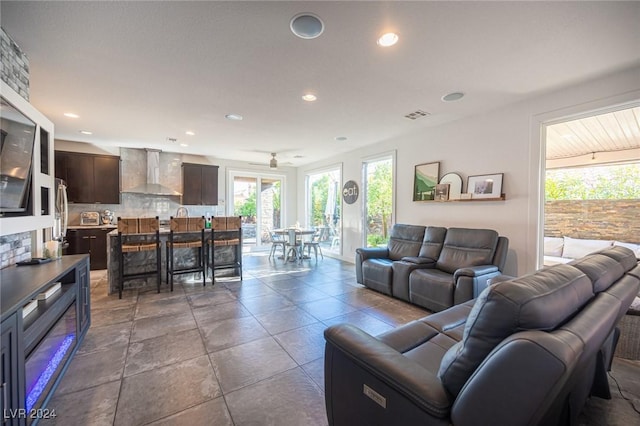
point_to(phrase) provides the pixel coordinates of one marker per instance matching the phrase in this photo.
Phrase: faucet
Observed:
(182, 212)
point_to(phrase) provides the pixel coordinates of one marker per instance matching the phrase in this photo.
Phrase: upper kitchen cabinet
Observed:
(199, 184)
(90, 178)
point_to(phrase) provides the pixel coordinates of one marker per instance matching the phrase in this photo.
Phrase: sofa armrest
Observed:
(365, 253)
(474, 271)
(373, 252)
(420, 386)
(419, 260)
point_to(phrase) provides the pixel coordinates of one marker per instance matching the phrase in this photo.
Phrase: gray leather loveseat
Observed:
(527, 351)
(433, 267)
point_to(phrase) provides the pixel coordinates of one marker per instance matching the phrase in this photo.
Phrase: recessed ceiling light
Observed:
(306, 25)
(86, 132)
(189, 132)
(309, 97)
(340, 138)
(236, 117)
(184, 144)
(388, 39)
(454, 96)
(71, 115)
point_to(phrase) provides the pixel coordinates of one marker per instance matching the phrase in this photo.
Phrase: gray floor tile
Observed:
(363, 321)
(98, 338)
(209, 298)
(164, 391)
(100, 317)
(264, 304)
(315, 370)
(212, 412)
(146, 328)
(303, 344)
(95, 406)
(163, 350)
(93, 369)
(362, 298)
(173, 305)
(327, 308)
(334, 288)
(303, 294)
(285, 319)
(249, 363)
(288, 399)
(231, 332)
(209, 314)
(395, 314)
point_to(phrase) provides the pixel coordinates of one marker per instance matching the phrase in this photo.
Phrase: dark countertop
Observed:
(20, 284)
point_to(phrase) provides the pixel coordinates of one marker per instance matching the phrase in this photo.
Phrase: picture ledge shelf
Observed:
(501, 198)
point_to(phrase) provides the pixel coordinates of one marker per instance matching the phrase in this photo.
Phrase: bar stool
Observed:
(226, 231)
(137, 235)
(189, 232)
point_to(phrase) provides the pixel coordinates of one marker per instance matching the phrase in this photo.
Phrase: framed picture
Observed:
(425, 180)
(442, 192)
(485, 186)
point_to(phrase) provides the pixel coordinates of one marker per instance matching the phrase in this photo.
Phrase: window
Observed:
(378, 200)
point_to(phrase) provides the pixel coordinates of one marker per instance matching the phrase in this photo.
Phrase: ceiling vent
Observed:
(416, 114)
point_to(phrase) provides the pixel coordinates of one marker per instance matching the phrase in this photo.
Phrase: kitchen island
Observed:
(224, 255)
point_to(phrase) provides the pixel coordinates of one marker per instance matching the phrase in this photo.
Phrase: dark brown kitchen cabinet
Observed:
(90, 178)
(92, 241)
(199, 184)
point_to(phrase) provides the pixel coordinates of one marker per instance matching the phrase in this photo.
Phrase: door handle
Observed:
(93, 237)
(85, 238)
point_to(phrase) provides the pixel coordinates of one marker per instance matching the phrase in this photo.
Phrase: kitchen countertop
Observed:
(111, 226)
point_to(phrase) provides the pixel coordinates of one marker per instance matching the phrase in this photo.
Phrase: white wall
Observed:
(500, 141)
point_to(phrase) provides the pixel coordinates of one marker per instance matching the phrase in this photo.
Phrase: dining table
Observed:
(299, 233)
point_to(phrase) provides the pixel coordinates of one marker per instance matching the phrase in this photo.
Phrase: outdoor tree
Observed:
(380, 195)
(613, 182)
(247, 208)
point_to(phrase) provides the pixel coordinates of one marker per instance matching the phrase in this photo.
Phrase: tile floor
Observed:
(240, 353)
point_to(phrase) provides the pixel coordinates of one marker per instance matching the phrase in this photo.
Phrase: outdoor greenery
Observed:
(621, 182)
(247, 208)
(319, 197)
(379, 201)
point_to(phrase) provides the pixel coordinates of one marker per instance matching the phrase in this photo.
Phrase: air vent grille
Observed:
(416, 114)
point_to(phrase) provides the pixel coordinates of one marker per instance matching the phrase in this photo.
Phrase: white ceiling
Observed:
(138, 73)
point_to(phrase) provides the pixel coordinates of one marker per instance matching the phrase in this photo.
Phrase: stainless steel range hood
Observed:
(152, 186)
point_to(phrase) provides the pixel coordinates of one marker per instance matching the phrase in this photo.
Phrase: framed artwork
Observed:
(425, 180)
(442, 192)
(455, 185)
(485, 186)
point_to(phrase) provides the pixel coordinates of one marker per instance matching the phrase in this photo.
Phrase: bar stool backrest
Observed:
(138, 225)
(187, 224)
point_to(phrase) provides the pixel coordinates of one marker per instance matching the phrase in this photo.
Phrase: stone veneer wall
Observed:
(15, 72)
(14, 248)
(15, 65)
(617, 220)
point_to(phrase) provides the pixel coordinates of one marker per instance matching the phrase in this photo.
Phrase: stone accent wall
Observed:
(14, 248)
(594, 219)
(14, 71)
(15, 65)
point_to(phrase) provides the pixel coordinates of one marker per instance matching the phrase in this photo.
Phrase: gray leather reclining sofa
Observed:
(431, 266)
(527, 351)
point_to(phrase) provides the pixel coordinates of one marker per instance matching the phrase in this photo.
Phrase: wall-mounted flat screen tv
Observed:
(17, 135)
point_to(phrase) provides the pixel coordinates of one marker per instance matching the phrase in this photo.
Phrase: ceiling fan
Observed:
(273, 163)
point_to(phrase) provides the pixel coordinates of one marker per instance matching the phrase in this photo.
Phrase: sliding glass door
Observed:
(258, 199)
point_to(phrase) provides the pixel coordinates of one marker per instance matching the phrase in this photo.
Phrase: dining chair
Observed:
(293, 245)
(186, 233)
(277, 241)
(136, 235)
(313, 243)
